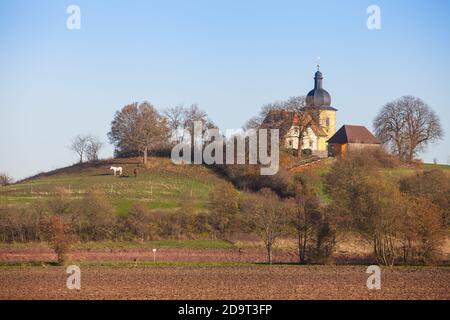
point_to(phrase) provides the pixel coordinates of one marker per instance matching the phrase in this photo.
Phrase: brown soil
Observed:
(258, 282)
(163, 255)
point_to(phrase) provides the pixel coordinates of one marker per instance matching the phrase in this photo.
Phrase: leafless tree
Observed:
(5, 179)
(138, 127)
(253, 123)
(94, 145)
(304, 214)
(79, 145)
(175, 121)
(256, 121)
(267, 213)
(407, 125)
(304, 119)
(295, 105)
(193, 114)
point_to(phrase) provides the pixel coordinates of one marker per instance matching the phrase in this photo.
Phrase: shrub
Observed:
(55, 232)
(60, 203)
(423, 231)
(19, 225)
(139, 222)
(5, 179)
(224, 209)
(315, 236)
(433, 185)
(325, 242)
(394, 224)
(95, 218)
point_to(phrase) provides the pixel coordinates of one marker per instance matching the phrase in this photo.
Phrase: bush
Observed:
(94, 217)
(5, 179)
(433, 185)
(61, 203)
(307, 152)
(55, 232)
(325, 242)
(140, 222)
(19, 225)
(423, 231)
(224, 210)
(367, 202)
(248, 178)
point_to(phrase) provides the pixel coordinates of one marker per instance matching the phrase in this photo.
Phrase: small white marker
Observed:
(154, 255)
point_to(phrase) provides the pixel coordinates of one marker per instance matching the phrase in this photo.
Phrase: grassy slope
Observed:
(395, 174)
(162, 185)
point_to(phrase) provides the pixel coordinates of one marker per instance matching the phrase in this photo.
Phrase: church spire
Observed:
(318, 78)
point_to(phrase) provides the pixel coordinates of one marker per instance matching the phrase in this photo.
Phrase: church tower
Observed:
(318, 104)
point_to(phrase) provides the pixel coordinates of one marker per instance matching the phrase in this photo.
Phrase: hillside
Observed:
(162, 185)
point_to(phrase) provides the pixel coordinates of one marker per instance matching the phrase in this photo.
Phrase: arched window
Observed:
(327, 122)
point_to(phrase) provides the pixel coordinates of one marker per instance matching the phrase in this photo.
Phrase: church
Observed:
(314, 126)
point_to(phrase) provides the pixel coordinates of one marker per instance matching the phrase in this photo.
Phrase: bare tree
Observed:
(193, 114)
(294, 105)
(256, 121)
(79, 145)
(138, 127)
(267, 214)
(5, 179)
(94, 145)
(304, 214)
(407, 125)
(302, 118)
(175, 121)
(253, 123)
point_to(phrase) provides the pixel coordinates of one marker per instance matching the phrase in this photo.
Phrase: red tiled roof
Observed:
(353, 134)
(284, 120)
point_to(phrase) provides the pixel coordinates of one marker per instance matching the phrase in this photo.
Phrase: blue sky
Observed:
(230, 57)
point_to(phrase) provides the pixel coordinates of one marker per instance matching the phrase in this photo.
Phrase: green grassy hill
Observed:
(162, 185)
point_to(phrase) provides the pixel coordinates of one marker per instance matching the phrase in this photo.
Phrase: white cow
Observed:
(116, 169)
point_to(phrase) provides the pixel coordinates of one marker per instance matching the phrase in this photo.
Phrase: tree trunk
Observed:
(300, 256)
(269, 253)
(410, 155)
(303, 257)
(145, 155)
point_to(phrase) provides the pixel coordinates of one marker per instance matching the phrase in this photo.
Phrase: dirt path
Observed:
(259, 282)
(162, 255)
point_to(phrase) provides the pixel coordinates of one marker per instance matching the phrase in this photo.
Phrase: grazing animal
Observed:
(135, 172)
(116, 169)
